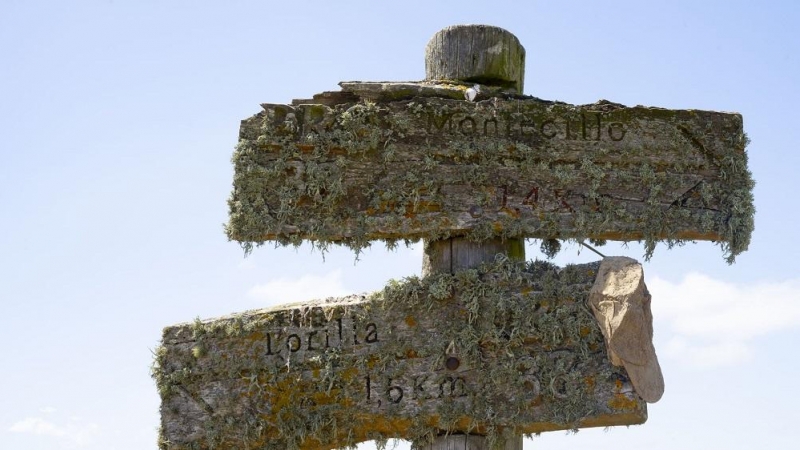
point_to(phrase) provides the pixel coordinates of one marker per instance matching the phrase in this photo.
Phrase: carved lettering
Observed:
(486, 123)
(599, 127)
(467, 129)
(293, 343)
(372, 333)
(269, 345)
(533, 388)
(452, 387)
(532, 198)
(419, 392)
(616, 131)
(439, 122)
(560, 195)
(594, 203)
(310, 337)
(422, 387)
(526, 123)
(393, 393)
(543, 128)
(529, 380)
(585, 127)
(558, 386)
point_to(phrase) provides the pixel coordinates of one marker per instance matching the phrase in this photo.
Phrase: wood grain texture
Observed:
(417, 163)
(454, 254)
(477, 53)
(501, 351)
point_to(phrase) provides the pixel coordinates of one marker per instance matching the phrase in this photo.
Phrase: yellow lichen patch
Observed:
(544, 304)
(324, 398)
(623, 402)
(537, 401)
(387, 426)
(511, 211)
(349, 373)
(198, 351)
(256, 336)
(305, 148)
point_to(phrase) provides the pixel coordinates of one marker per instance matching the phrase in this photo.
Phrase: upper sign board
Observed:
(383, 161)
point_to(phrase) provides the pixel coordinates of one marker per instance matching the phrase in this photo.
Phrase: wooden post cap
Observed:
(476, 53)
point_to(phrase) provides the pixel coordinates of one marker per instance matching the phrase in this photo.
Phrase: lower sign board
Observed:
(500, 351)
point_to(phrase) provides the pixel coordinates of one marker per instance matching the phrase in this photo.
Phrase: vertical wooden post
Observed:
(450, 255)
(490, 56)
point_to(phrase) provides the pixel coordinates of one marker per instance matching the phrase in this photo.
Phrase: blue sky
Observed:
(118, 120)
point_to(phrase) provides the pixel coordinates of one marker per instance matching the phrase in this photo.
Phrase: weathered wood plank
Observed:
(433, 167)
(503, 351)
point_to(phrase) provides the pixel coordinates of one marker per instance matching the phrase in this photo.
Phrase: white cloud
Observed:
(48, 410)
(36, 425)
(713, 323)
(75, 434)
(307, 287)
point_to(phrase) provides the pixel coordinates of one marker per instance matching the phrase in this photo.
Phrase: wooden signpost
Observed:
(483, 348)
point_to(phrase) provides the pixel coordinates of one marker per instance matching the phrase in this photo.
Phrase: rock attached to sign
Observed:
(387, 161)
(621, 304)
(507, 349)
